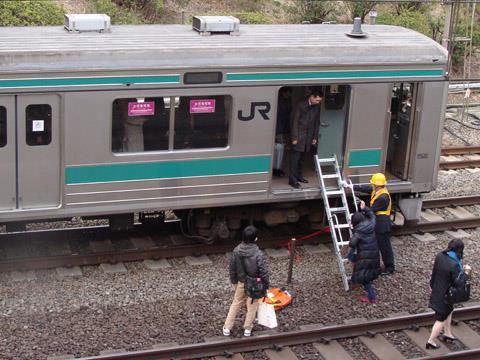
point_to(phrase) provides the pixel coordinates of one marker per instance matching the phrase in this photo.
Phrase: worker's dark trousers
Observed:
(383, 240)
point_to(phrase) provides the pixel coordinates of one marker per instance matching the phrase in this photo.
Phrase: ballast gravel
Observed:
(136, 310)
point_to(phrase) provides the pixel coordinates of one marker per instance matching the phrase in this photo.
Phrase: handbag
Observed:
(459, 291)
(266, 315)
(254, 286)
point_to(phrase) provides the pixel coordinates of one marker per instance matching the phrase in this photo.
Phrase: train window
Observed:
(202, 122)
(203, 78)
(3, 126)
(140, 124)
(38, 124)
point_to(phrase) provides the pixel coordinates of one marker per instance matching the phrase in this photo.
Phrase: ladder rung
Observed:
(331, 176)
(337, 209)
(342, 226)
(326, 160)
(334, 192)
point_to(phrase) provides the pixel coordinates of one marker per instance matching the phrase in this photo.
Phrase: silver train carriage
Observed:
(162, 117)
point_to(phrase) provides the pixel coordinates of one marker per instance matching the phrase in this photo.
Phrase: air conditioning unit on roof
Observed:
(216, 24)
(87, 22)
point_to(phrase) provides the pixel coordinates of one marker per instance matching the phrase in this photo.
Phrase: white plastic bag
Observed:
(266, 315)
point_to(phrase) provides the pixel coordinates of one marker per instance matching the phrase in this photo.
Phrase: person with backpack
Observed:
(249, 276)
(365, 256)
(446, 269)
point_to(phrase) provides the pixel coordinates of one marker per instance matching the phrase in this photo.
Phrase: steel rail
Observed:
(461, 150)
(322, 334)
(461, 164)
(451, 201)
(464, 354)
(166, 251)
(434, 226)
(128, 255)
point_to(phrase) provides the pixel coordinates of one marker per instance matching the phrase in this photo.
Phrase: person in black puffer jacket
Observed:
(247, 259)
(367, 260)
(447, 266)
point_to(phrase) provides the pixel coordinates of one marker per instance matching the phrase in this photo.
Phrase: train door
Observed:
(7, 153)
(401, 127)
(38, 156)
(333, 120)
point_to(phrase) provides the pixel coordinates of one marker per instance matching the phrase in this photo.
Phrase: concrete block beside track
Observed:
(458, 234)
(113, 268)
(23, 275)
(430, 215)
(317, 249)
(72, 271)
(424, 237)
(277, 253)
(157, 264)
(198, 260)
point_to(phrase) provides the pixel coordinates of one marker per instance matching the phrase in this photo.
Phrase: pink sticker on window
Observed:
(141, 108)
(202, 106)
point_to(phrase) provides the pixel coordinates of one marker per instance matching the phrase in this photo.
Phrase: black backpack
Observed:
(254, 286)
(459, 291)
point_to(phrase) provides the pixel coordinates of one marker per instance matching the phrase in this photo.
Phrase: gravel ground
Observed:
(95, 312)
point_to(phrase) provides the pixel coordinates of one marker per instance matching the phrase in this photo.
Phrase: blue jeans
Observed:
(370, 291)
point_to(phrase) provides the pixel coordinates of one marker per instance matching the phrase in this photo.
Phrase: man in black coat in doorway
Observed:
(305, 124)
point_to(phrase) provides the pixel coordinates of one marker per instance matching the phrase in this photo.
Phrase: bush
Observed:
(311, 11)
(252, 17)
(30, 13)
(117, 15)
(409, 18)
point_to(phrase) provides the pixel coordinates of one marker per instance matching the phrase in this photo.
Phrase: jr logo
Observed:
(263, 109)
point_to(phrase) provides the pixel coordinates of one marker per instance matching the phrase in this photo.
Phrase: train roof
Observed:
(137, 47)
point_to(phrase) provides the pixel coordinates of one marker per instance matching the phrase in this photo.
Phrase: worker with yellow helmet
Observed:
(381, 205)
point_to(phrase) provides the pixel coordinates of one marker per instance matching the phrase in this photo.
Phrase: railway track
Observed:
(460, 157)
(93, 246)
(326, 340)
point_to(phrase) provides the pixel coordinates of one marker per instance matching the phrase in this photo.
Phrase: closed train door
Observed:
(38, 154)
(8, 197)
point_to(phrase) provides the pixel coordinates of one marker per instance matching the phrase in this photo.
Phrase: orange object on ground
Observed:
(278, 297)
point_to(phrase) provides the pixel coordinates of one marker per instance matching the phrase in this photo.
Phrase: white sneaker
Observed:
(226, 332)
(247, 332)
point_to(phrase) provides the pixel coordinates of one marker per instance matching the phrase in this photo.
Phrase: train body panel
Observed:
(100, 124)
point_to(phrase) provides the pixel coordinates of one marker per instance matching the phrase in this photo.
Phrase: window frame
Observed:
(171, 123)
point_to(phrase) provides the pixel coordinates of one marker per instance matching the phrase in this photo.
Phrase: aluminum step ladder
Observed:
(338, 216)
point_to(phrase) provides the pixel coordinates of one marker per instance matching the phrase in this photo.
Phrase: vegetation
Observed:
(360, 8)
(252, 17)
(407, 18)
(117, 14)
(30, 13)
(312, 11)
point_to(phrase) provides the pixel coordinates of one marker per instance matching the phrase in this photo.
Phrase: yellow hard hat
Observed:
(378, 179)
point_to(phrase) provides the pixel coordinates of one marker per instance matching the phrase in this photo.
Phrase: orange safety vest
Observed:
(374, 196)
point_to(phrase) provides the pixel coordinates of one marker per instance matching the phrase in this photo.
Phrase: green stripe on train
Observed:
(369, 157)
(86, 81)
(354, 74)
(165, 170)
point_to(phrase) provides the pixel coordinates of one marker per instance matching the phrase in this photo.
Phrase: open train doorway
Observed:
(329, 132)
(401, 129)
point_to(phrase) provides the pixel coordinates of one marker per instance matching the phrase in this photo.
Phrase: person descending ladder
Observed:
(338, 216)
